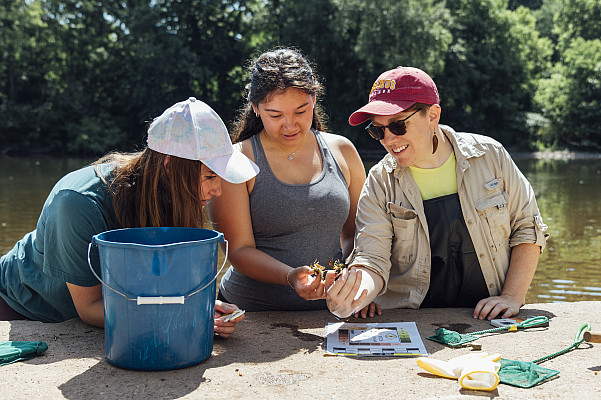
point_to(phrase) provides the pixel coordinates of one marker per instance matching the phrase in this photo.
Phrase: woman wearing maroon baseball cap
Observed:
(445, 219)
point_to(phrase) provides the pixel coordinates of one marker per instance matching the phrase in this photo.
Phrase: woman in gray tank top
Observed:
(302, 205)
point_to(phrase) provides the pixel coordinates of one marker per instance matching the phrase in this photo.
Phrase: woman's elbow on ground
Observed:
(88, 303)
(90, 319)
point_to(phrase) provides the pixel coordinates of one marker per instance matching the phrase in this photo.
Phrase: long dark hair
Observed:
(275, 71)
(146, 193)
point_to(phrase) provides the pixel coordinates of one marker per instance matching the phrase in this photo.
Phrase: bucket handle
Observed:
(158, 299)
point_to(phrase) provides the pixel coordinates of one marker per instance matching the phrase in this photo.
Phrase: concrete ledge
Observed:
(279, 355)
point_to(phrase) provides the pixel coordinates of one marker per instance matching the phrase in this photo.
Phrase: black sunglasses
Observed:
(397, 128)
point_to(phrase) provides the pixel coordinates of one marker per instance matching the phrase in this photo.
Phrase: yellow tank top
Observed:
(436, 182)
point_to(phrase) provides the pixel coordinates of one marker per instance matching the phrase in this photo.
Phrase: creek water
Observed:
(568, 193)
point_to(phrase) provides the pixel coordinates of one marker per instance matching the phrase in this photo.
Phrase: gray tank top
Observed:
(295, 224)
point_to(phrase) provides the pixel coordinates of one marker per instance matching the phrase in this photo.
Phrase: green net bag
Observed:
(454, 339)
(524, 374)
(451, 338)
(12, 351)
(527, 374)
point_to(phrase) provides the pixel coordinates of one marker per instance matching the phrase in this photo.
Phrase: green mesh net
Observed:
(11, 352)
(451, 338)
(454, 339)
(527, 374)
(524, 374)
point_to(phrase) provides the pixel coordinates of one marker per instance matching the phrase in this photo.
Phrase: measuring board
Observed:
(374, 339)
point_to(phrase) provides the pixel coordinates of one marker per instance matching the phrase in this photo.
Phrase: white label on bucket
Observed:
(161, 300)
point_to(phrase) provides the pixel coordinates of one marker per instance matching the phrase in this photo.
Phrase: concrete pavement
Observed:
(279, 355)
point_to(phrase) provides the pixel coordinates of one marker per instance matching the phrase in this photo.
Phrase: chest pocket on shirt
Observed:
(494, 214)
(405, 224)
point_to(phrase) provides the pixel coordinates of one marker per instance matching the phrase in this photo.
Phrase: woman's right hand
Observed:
(224, 328)
(306, 284)
(341, 293)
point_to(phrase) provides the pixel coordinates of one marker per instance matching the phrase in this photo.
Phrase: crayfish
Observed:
(320, 270)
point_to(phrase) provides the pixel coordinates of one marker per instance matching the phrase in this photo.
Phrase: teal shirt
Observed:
(34, 272)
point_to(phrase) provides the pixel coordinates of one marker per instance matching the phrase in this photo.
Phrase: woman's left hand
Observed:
(491, 307)
(306, 283)
(222, 328)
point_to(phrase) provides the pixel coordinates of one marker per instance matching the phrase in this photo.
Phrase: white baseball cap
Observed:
(191, 129)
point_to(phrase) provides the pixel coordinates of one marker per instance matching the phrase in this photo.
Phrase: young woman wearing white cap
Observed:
(46, 276)
(302, 205)
(445, 219)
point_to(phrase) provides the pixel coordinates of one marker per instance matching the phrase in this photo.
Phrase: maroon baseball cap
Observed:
(395, 91)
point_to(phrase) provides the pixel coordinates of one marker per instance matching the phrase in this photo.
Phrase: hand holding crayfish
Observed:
(309, 281)
(306, 283)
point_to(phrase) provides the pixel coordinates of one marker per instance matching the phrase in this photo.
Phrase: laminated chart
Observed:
(374, 339)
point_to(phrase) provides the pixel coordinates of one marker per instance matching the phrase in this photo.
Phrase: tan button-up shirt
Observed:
(392, 237)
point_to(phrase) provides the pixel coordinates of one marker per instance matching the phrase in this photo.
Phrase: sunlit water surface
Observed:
(568, 194)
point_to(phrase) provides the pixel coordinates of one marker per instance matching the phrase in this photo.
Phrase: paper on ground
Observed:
(374, 339)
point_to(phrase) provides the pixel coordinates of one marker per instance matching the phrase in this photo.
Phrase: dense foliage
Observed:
(83, 76)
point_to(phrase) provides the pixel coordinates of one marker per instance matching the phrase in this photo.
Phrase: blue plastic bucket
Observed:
(159, 295)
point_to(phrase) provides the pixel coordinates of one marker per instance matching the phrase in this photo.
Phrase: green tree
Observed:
(126, 61)
(578, 19)
(87, 76)
(81, 118)
(391, 33)
(545, 16)
(531, 4)
(570, 96)
(171, 50)
(25, 88)
(487, 82)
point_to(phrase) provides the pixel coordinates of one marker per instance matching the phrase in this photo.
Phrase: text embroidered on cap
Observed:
(382, 84)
